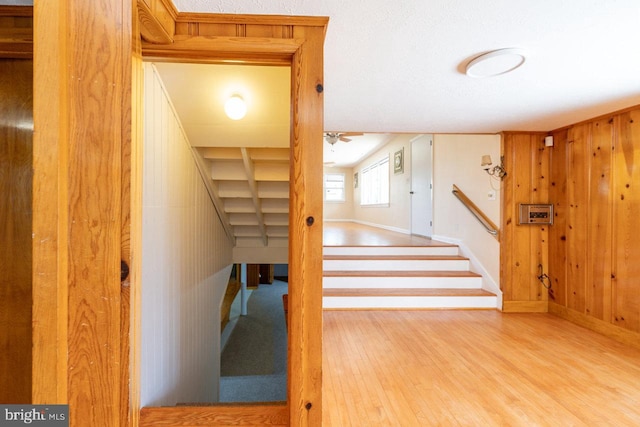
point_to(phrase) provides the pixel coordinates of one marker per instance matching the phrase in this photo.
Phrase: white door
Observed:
(422, 185)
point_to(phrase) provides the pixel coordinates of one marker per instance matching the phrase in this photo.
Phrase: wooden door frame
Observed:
(88, 114)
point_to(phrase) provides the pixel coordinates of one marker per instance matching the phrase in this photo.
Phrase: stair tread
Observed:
(390, 274)
(379, 292)
(434, 245)
(394, 257)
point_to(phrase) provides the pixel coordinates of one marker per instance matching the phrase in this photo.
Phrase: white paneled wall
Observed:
(186, 264)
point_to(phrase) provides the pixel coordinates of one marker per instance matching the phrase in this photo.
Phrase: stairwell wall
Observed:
(456, 160)
(185, 267)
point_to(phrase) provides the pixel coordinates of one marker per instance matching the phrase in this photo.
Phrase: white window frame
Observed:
(375, 183)
(338, 187)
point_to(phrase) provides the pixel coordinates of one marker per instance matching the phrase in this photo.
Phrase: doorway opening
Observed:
(215, 195)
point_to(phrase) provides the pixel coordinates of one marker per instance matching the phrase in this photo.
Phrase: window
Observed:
(375, 183)
(334, 187)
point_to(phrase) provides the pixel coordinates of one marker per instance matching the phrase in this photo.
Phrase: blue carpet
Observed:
(253, 364)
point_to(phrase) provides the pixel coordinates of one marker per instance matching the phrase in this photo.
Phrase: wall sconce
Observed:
(496, 171)
(235, 107)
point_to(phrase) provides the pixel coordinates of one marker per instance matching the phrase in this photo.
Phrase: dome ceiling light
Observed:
(235, 107)
(496, 62)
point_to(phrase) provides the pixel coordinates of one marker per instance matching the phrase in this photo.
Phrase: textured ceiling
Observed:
(396, 67)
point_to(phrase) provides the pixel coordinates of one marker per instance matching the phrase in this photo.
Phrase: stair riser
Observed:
(409, 302)
(391, 250)
(395, 265)
(403, 282)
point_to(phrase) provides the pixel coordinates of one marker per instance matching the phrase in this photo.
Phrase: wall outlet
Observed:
(491, 195)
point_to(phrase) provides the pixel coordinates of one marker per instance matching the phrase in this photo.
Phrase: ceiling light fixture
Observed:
(495, 63)
(235, 107)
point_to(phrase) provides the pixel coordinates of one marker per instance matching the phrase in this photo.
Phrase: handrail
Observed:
(480, 216)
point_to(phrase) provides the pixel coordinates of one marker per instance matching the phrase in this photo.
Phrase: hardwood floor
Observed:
(474, 368)
(354, 234)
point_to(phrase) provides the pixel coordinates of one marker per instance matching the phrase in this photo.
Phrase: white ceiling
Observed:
(398, 67)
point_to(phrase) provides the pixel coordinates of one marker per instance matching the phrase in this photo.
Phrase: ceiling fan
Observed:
(333, 137)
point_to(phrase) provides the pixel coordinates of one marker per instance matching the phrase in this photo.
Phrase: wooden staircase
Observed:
(401, 277)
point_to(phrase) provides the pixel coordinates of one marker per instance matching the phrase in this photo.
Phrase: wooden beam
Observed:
(253, 187)
(213, 194)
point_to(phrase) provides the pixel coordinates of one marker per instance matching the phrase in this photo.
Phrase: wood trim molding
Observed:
(219, 415)
(617, 333)
(222, 49)
(524, 307)
(266, 20)
(303, 51)
(16, 11)
(157, 21)
(16, 37)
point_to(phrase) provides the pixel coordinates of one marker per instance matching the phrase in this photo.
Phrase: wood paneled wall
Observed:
(16, 180)
(523, 247)
(591, 252)
(82, 164)
(594, 249)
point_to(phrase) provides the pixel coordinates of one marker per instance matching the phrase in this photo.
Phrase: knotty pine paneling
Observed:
(557, 232)
(523, 247)
(578, 158)
(593, 248)
(185, 267)
(598, 279)
(626, 207)
(16, 182)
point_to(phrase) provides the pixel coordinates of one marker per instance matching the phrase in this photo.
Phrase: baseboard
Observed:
(371, 224)
(384, 227)
(524, 307)
(617, 333)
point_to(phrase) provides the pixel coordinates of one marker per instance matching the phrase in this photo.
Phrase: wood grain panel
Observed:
(577, 215)
(50, 201)
(508, 218)
(131, 242)
(557, 233)
(99, 48)
(16, 181)
(305, 230)
(522, 189)
(524, 247)
(626, 293)
(593, 240)
(539, 234)
(599, 245)
(81, 109)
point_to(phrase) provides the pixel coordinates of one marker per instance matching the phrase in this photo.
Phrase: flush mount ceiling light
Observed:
(235, 107)
(496, 62)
